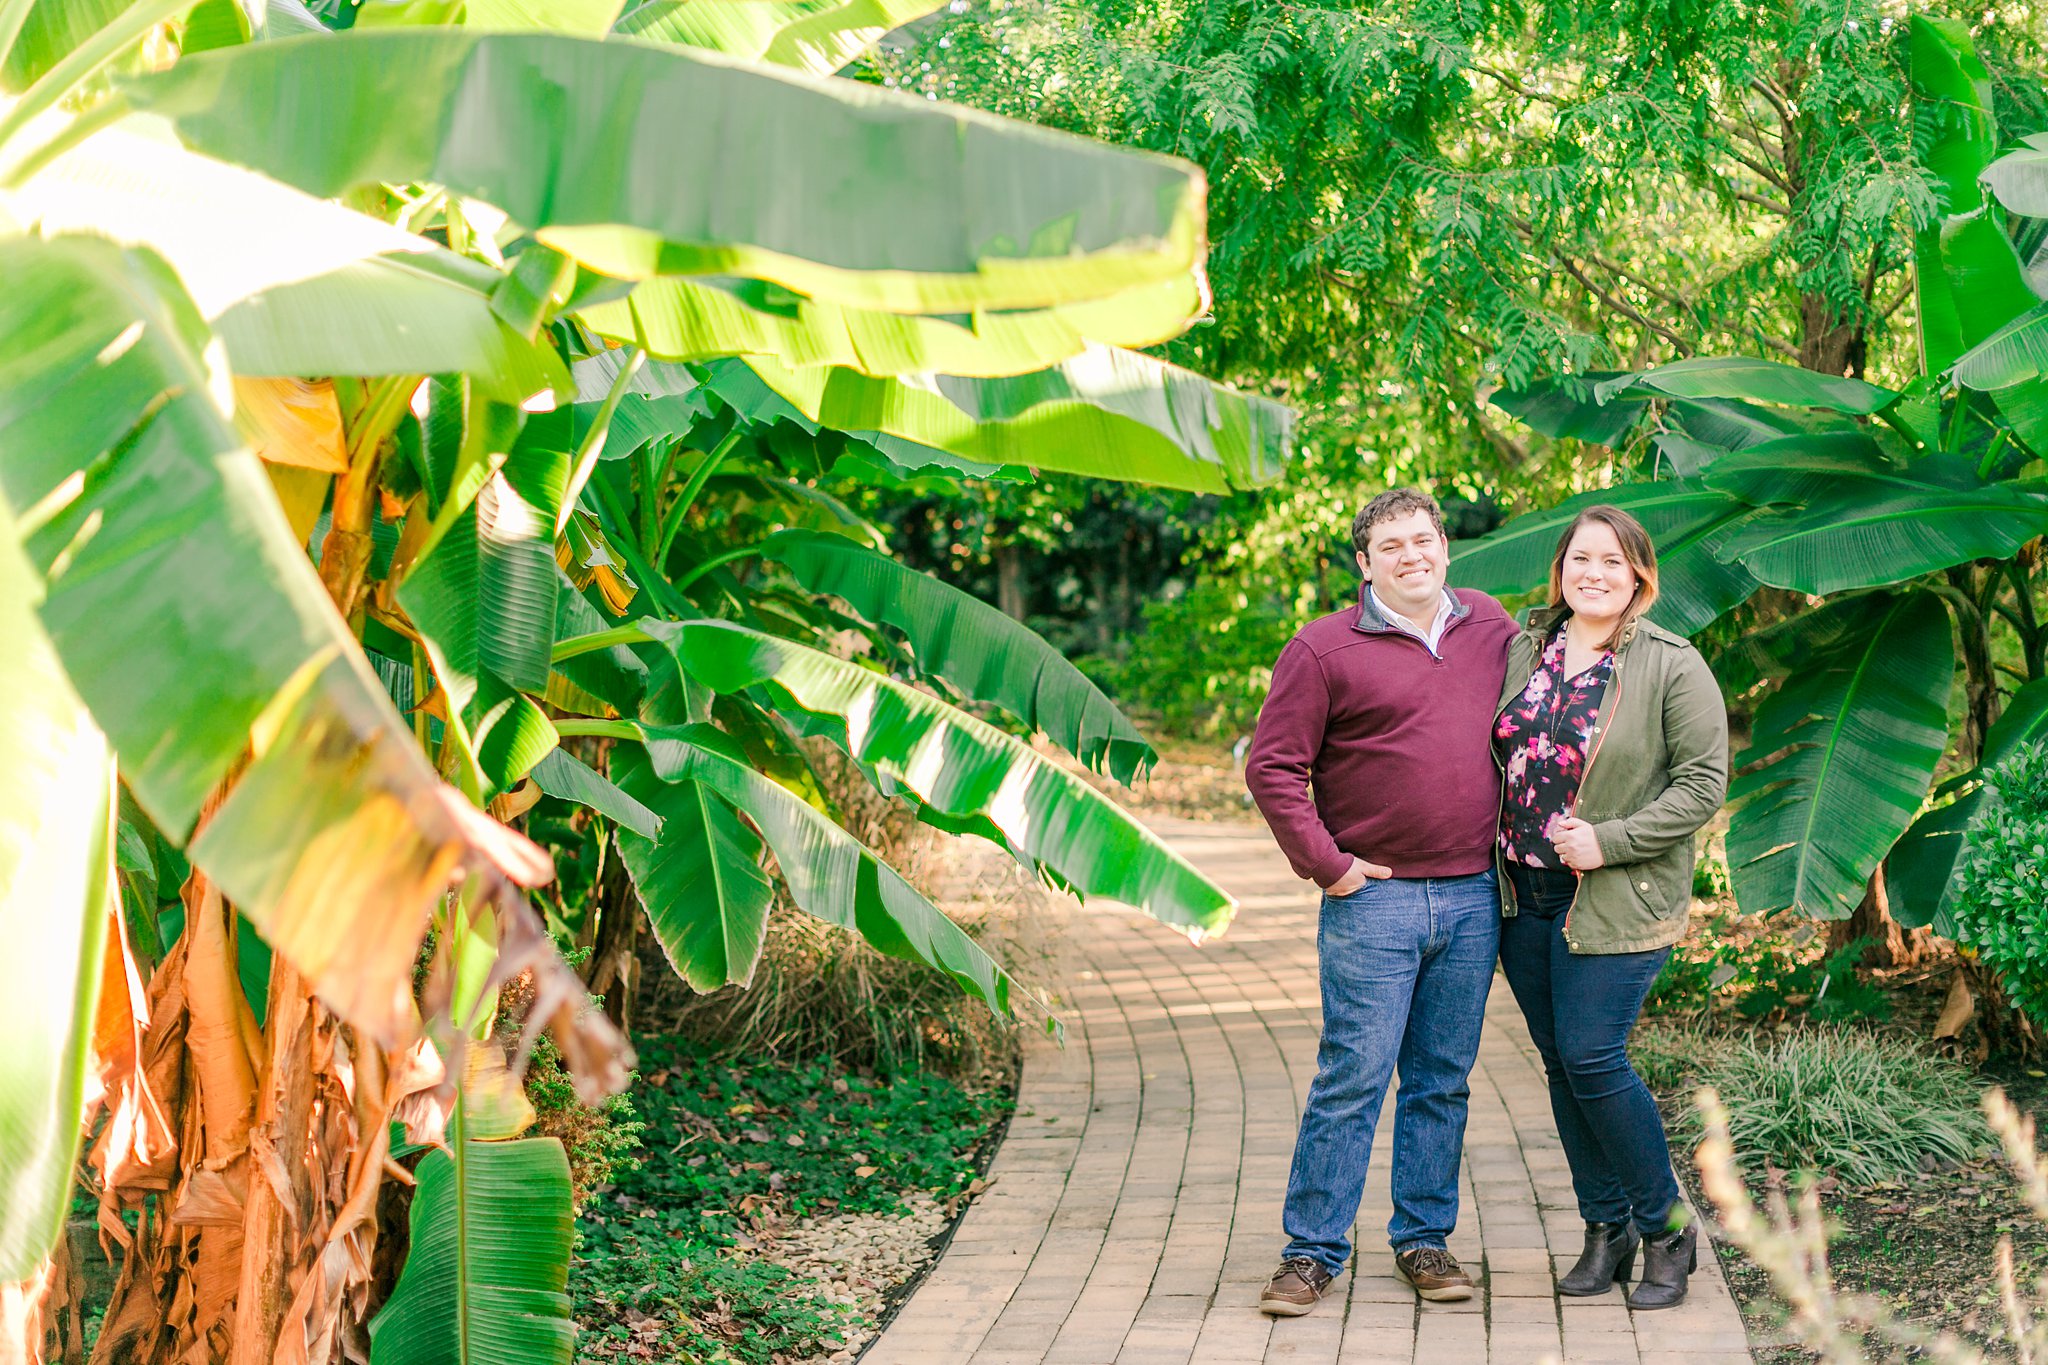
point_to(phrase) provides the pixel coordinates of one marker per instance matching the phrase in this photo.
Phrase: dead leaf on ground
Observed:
(1957, 1010)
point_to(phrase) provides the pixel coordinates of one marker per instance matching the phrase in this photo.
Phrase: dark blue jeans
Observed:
(1405, 968)
(1580, 1008)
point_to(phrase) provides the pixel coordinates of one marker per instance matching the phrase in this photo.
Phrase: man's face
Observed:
(1405, 561)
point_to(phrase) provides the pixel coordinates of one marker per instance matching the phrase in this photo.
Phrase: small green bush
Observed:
(1867, 1107)
(602, 1140)
(2001, 900)
(1761, 972)
(1828, 989)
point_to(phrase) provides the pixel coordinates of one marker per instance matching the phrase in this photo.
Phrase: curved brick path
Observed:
(1135, 1211)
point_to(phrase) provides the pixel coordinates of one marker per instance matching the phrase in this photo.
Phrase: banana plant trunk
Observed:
(283, 1131)
(1891, 945)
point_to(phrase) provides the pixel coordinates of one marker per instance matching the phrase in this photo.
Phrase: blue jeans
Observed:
(1580, 1008)
(1406, 965)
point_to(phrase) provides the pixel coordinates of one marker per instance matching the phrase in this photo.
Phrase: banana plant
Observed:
(350, 464)
(1911, 517)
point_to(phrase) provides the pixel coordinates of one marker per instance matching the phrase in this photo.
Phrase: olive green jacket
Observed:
(1658, 771)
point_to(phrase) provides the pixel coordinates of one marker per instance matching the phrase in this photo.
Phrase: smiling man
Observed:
(1373, 764)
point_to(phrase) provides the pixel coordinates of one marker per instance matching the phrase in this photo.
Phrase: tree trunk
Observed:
(1890, 944)
(614, 972)
(1126, 606)
(1829, 343)
(1980, 674)
(1010, 588)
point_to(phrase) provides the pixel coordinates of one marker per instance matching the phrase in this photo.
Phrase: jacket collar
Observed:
(1540, 621)
(1371, 619)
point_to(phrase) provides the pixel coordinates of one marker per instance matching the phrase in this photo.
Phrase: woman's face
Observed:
(1598, 582)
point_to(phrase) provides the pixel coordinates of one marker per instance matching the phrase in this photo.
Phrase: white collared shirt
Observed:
(1444, 607)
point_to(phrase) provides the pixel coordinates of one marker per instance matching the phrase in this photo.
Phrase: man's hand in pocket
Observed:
(1360, 873)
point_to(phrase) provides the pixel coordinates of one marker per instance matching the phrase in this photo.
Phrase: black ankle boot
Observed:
(1608, 1259)
(1667, 1260)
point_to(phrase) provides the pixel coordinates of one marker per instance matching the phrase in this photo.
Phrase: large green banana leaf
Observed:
(1721, 408)
(2019, 179)
(1873, 526)
(563, 775)
(56, 895)
(1106, 414)
(1686, 521)
(975, 776)
(818, 36)
(485, 599)
(291, 284)
(1920, 873)
(484, 602)
(830, 874)
(2014, 354)
(701, 319)
(742, 388)
(976, 649)
(1839, 761)
(700, 879)
(1784, 647)
(189, 619)
(171, 561)
(50, 31)
(1741, 377)
(578, 141)
(1726, 424)
(1564, 408)
(1969, 278)
(486, 1278)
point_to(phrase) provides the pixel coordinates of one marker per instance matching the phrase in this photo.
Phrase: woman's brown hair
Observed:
(1635, 548)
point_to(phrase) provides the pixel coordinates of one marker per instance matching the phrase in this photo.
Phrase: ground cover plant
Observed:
(733, 1153)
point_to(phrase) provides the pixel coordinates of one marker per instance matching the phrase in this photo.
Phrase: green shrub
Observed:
(1868, 1107)
(601, 1140)
(1828, 989)
(2001, 900)
(1203, 660)
(1762, 972)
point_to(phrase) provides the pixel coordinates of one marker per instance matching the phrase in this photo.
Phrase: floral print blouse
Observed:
(1542, 738)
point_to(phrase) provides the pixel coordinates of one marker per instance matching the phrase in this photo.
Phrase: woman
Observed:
(1613, 745)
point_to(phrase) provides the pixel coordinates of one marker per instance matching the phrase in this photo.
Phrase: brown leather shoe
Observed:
(1294, 1288)
(1434, 1273)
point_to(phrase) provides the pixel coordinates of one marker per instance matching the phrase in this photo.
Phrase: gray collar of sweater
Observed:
(1372, 619)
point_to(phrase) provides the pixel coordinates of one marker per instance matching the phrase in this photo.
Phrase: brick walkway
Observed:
(1135, 1212)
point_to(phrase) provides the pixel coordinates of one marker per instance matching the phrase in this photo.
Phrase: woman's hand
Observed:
(1576, 845)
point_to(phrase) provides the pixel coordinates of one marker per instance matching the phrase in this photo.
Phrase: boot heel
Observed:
(1693, 1263)
(1626, 1268)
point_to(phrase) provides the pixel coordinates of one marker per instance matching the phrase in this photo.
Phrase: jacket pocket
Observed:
(1661, 886)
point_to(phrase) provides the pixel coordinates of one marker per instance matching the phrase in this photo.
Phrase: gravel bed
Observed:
(864, 1261)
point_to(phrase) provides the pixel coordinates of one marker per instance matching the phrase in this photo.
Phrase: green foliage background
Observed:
(2001, 897)
(1413, 206)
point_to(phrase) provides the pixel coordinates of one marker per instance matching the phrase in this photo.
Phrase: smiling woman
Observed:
(1614, 750)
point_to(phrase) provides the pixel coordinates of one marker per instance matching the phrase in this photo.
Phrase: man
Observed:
(1373, 764)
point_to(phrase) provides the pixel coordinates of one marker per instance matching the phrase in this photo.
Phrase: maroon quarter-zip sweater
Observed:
(1394, 743)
